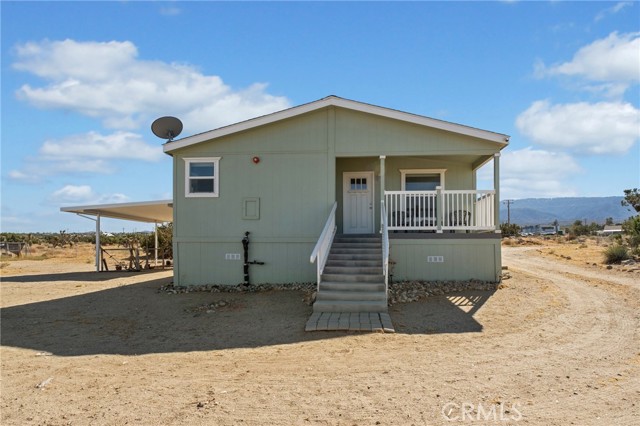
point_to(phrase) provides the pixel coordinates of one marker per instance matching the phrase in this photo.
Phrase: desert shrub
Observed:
(615, 254)
(509, 230)
(165, 239)
(631, 229)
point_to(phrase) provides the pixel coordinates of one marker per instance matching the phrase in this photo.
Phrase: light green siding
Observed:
(298, 178)
(291, 182)
(464, 259)
(358, 134)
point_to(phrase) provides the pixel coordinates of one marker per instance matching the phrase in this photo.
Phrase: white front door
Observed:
(357, 190)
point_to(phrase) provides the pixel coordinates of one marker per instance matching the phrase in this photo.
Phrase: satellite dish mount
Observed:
(166, 128)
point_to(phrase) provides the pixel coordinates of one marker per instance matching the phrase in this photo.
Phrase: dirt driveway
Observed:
(558, 344)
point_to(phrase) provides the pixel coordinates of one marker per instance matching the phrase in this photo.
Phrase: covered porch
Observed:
(424, 194)
(433, 222)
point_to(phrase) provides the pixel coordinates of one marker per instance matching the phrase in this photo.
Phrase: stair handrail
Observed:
(384, 229)
(321, 250)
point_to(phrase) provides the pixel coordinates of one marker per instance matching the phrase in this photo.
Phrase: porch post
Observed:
(496, 187)
(382, 182)
(439, 209)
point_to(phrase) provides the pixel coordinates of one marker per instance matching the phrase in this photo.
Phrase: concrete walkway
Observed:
(350, 321)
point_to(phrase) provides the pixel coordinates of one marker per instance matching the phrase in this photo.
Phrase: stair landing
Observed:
(350, 321)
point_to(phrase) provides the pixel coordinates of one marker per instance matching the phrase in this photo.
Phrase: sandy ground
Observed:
(558, 344)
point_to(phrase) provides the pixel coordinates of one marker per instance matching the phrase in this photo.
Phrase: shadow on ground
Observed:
(452, 313)
(89, 276)
(137, 319)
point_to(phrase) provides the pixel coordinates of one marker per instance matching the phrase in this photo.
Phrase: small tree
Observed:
(631, 229)
(608, 221)
(632, 199)
(509, 229)
(165, 240)
(578, 229)
(631, 226)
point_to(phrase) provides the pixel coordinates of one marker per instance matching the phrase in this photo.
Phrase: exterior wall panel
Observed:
(298, 177)
(358, 133)
(464, 259)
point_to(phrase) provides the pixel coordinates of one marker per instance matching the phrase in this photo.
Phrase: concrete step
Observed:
(349, 306)
(355, 250)
(365, 278)
(358, 236)
(354, 256)
(352, 295)
(350, 286)
(353, 270)
(377, 246)
(353, 262)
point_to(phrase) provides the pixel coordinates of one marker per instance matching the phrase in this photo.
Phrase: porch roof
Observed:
(336, 101)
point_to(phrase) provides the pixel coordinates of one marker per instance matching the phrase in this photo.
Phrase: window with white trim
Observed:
(422, 179)
(202, 177)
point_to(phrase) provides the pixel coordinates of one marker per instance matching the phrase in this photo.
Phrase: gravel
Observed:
(399, 292)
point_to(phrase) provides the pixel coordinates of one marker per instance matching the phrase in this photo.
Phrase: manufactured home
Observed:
(335, 191)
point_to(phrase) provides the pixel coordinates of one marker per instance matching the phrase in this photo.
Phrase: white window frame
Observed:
(405, 172)
(215, 177)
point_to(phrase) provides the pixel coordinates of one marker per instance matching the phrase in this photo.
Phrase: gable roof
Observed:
(336, 101)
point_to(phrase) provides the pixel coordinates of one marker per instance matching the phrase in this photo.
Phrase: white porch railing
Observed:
(321, 250)
(440, 210)
(384, 229)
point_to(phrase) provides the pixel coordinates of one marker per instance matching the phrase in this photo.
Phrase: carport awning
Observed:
(145, 211)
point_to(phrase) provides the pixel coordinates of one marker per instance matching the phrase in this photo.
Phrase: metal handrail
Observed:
(321, 250)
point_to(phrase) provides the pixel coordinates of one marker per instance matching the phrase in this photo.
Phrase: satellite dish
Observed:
(166, 127)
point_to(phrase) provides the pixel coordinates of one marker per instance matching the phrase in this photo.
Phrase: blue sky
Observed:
(82, 82)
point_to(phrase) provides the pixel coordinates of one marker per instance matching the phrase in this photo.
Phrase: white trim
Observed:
(405, 172)
(500, 138)
(215, 177)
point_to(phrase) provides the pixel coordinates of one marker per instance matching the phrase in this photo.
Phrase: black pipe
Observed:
(245, 245)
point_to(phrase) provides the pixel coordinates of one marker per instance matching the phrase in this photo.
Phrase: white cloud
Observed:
(84, 194)
(612, 10)
(93, 145)
(22, 176)
(170, 11)
(107, 80)
(613, 61)
(532, 173)
(614, 58)
(85, 153)
(600, 128)
(73, 193)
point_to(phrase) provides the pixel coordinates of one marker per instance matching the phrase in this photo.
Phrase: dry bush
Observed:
(615, 254)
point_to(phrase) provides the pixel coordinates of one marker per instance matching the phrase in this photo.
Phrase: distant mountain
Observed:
(538, 211)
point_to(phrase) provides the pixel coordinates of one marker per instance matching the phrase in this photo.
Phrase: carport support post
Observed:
(155, 241)
(98, 248)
